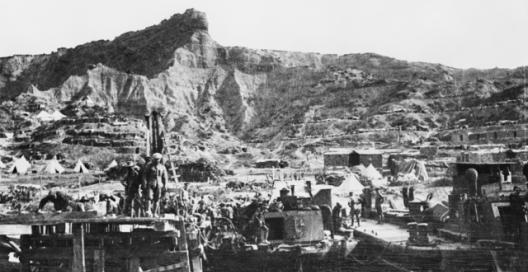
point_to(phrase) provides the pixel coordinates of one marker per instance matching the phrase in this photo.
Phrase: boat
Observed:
(299, 238)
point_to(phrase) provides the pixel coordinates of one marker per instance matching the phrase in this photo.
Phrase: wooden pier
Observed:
(85, 242)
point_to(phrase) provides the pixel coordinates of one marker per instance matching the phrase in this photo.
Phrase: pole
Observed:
(78, 262)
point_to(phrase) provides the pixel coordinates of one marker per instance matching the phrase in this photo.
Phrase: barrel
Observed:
(412, 228)
(423, 231)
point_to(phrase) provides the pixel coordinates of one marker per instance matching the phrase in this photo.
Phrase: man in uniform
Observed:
(379, 209)
(132, 185)
(155, 178)
(355, 209)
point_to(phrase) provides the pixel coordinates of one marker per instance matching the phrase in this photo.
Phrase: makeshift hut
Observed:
(337, 158)
(271, 164)
(412, 171)
(80, 168)
(53, 167)
(367, 157)
(201, 170)
(20, 166)
(348, 157)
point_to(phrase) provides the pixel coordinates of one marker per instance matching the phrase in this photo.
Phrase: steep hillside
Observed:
(207, 92)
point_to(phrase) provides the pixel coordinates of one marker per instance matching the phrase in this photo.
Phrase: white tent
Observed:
(20, 166)
(80, 168)
(44, 116)
(372, 173)
(369, 174)
(2, 165)
(53, 167)
(57, 115)
(351, 184)
(111, 165)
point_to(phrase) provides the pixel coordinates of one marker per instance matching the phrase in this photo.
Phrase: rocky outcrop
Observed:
(202, 88)
(124, 135)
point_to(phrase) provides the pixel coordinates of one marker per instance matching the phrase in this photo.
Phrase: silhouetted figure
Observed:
(132, 185)
(517, 208)
(405, 195)
(379, 208)
(336, 216)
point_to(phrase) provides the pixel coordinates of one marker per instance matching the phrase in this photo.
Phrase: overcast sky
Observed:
(458, 33)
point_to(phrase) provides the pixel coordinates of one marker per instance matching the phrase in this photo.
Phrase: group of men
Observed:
(358, 207)
(145, 185)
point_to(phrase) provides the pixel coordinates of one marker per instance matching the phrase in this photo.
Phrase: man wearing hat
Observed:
(132, 184)
(155, 178)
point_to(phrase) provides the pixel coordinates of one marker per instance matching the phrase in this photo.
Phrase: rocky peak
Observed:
(147, 52)
(194, 18)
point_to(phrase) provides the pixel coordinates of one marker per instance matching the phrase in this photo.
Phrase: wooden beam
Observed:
(79, 217)
(99, 260)
(133, 265)
(78, 262)
(110, 253)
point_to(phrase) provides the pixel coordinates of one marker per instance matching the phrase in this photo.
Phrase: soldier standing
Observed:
(355, 209)
(379, 209)
(155, 178)
(132, 185)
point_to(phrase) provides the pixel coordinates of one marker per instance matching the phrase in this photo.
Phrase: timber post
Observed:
(78, 262)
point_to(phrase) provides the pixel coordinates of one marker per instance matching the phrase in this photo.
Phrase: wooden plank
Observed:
(110, 253)
(171, 267)
(44, 218)
(133, 265)
(78, 262)
(79, 217)
(98, 260)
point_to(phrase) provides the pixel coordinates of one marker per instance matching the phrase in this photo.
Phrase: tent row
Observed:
(22, 166)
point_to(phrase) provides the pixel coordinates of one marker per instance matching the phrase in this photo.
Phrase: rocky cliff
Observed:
(203, 88)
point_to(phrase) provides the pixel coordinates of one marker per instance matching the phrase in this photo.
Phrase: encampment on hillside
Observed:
(369, 176)
(53, 167)
(80, 168)
(20, 166)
